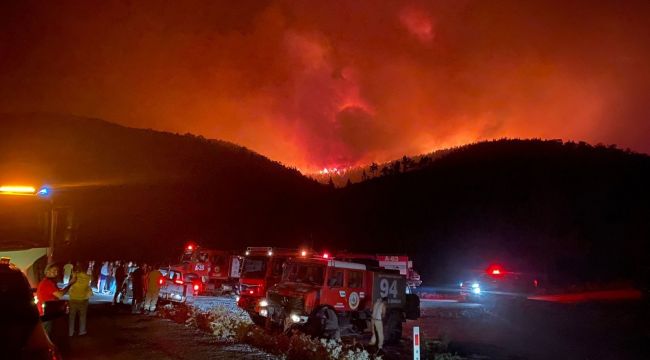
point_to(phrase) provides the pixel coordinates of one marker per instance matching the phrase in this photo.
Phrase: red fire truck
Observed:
(310, 284)
(217, 269)
(262, 268)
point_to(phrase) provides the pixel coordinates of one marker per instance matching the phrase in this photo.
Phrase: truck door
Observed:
(334, 292)
(356, 297)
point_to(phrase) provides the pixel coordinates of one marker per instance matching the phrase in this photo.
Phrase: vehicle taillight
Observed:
(196, 287)
(53, 354)
(495, 270)
(160, 281)
(179, 282)
(326, 256)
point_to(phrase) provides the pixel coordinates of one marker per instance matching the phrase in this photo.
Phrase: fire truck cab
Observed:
(261, 268)
(350, 289)
(217, 269)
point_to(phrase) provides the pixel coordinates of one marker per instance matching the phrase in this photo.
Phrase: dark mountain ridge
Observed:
(136, 190)
(542, 206)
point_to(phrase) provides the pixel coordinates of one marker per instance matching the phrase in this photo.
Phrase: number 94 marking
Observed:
(387, 287)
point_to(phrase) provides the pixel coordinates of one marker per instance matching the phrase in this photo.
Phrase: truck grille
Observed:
(286, 303)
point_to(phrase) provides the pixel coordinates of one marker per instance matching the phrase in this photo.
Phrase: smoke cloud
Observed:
(336, 83)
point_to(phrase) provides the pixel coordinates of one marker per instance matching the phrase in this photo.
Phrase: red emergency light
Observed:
(495, 270)
(160, 281)
(326, 256)
(190, 247)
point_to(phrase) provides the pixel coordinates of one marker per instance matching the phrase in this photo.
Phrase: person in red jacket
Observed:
(48, 290)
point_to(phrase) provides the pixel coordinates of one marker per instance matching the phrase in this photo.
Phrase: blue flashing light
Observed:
(43, 192)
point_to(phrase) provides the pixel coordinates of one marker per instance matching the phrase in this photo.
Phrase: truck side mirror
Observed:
(54, 309)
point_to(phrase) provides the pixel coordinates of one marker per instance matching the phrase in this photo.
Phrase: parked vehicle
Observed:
(309, 284)
(219, 270)
(262, 268)
(177, 286)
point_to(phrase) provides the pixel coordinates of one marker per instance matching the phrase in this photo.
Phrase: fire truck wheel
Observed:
(393, 327)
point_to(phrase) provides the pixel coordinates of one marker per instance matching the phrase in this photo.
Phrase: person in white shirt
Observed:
(378, 313)
(67, 272)
(103, 278)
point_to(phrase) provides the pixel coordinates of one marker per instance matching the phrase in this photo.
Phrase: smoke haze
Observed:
(333, 83)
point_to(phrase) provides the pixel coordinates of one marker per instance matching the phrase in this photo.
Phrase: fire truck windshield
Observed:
(304, 273)
(254, 267)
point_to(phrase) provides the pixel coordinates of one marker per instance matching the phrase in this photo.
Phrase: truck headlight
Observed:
(476, 289)
(295, 318)
(264, 303)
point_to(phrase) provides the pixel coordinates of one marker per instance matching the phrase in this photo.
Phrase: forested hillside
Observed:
(573, 211)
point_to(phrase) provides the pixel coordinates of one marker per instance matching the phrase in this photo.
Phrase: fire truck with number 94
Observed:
(310, 284)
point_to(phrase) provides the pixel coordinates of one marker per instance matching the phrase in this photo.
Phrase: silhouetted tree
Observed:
(364, 176)
(396, 166)
(424, 161)
(407, 163)
(373, 169)
(331, 183)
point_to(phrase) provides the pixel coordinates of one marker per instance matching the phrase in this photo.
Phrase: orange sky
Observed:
(318, 84)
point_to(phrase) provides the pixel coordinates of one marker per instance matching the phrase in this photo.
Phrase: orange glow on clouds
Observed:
(337, 83)
(418, 23)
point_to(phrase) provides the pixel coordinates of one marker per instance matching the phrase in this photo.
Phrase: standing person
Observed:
(110, 278)
(91, 267)
(94, 273)
(120, 276)
(103, 278)
(67, 272)
(378, 313)
(48, 290)
(153, 289)
(138, 288)
(80, 292)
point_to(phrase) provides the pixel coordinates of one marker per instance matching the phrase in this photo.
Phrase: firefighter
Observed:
(332, 329)
(153, 288)
(378, 313)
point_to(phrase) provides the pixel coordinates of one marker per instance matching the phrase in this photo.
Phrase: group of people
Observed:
(78, 289)
(109, 278)
(145, 284)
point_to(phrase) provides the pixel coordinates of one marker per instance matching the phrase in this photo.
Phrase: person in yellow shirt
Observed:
(80, 292)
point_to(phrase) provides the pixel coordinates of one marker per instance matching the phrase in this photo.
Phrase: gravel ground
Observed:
(116, 334)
